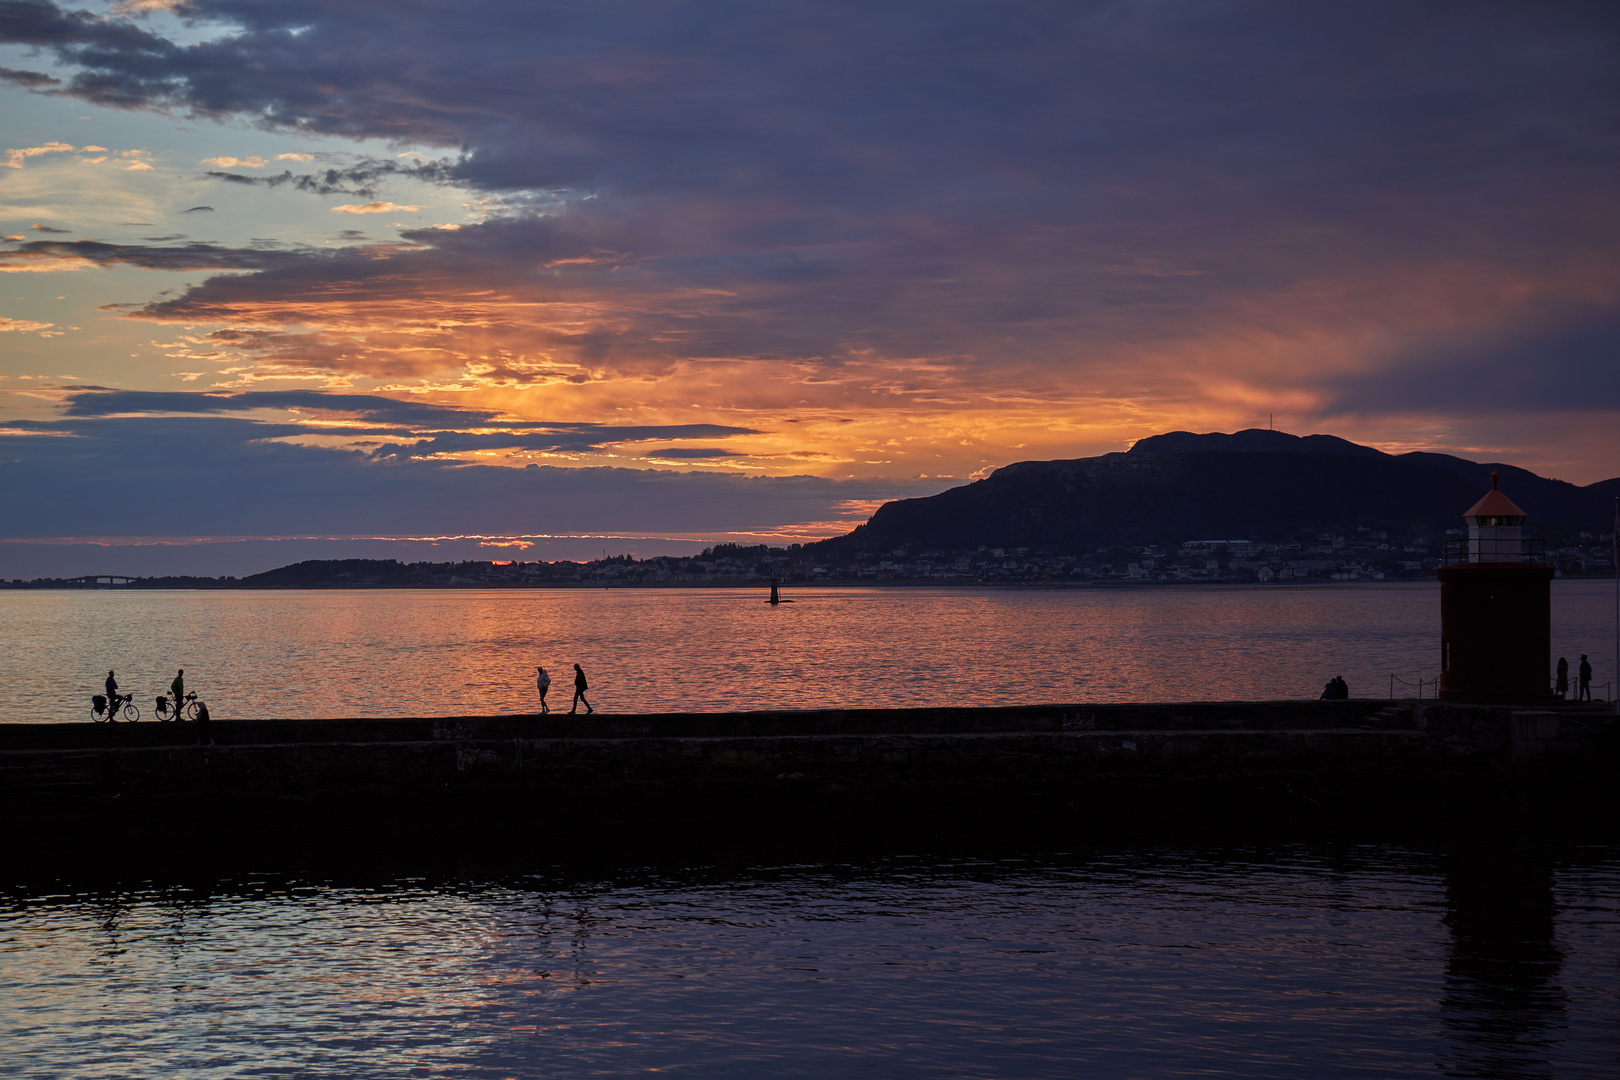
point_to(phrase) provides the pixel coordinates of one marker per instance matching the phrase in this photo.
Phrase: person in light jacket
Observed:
(542, 683)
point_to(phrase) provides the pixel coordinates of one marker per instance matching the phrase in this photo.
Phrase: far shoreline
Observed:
(760, 586)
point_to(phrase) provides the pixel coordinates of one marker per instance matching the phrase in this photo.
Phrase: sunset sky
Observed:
(541, 280)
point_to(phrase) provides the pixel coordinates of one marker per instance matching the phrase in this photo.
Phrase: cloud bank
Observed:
(911, 238)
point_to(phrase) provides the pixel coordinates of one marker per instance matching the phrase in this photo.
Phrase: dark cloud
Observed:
(1025, 110)
(196, 256)
(128, 476)
(199, 210)
(361, 179)
(33, 80)
(926, 203)
(1569, 367)
(437, 423)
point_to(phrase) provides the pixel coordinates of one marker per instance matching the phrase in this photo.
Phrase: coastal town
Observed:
(1363, 554)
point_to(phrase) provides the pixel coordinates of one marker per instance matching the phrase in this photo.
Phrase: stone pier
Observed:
(1075, 765)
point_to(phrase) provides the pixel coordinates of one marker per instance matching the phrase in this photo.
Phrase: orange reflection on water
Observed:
(449, 652)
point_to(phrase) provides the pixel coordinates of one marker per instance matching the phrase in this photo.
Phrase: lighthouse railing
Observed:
(1522, 550)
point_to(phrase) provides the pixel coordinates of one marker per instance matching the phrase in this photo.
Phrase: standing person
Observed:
(1561, 684)
(205, 725)
(1586, 680)
(542, 682)
(580, 686)
(112, 686)
(177, 691)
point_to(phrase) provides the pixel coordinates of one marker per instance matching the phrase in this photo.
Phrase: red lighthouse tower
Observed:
(1495, 609)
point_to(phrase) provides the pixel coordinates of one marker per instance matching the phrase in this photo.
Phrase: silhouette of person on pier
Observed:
(1586, 679)
(542, 683)
(177, 688)
(205, 725)
(114, 701)
(1561, 684)
(580, 686)
(1336, 689)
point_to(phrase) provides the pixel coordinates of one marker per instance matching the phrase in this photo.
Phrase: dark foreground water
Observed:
(1492, 958)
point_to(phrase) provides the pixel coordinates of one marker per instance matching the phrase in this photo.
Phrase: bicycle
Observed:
(181, 710)
(103, 711)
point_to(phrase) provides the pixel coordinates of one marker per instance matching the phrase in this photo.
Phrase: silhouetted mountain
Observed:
(318, 573)
(1259, 485)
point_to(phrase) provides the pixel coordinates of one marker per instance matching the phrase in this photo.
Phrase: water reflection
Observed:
(1301, 960)
(1503, 1006)
(437, 653)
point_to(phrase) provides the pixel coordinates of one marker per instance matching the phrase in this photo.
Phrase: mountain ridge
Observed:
(1255, 484)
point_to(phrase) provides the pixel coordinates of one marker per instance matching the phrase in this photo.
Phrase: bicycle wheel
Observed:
(131, 713)
(189, 712)
(100, 716)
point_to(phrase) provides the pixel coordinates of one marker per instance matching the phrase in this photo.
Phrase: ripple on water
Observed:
(1374, 961)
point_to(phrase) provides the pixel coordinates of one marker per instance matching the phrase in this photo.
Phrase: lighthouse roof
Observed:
(1494, 504)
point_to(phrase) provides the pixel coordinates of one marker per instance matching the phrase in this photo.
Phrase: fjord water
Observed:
(262, 654)
(1287, 961)
(1456, 951)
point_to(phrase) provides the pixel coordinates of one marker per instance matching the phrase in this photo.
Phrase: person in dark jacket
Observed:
(1561, 683)
(1336, 689)
(1586, 679)
(580, 686)
(114, 701)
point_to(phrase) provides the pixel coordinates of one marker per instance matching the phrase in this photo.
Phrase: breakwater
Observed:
(1075, 766)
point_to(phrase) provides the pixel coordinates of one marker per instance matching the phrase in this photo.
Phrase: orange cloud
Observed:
(375, 208)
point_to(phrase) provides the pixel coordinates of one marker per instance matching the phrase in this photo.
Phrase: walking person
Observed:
(1586, 679)
(542, 683)
(1561, 683)
(580, 686)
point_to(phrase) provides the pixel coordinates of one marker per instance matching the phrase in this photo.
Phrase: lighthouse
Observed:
(1495, 609)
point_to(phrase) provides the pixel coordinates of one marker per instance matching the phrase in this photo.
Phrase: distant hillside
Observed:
(1260, 485)
(330, 573)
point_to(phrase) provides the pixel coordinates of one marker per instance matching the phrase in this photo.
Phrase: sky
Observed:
(547, 280)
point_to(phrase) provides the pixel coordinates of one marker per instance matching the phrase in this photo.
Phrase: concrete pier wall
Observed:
(750, 770)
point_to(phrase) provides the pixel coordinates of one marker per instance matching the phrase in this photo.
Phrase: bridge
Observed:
(102, 580)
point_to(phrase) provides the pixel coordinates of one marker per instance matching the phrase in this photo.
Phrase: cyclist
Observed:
(113, 700)
(177, 689)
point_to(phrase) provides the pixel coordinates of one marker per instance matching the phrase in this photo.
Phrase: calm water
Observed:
(1499, 958)
(1298, 961)
(400, 653)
